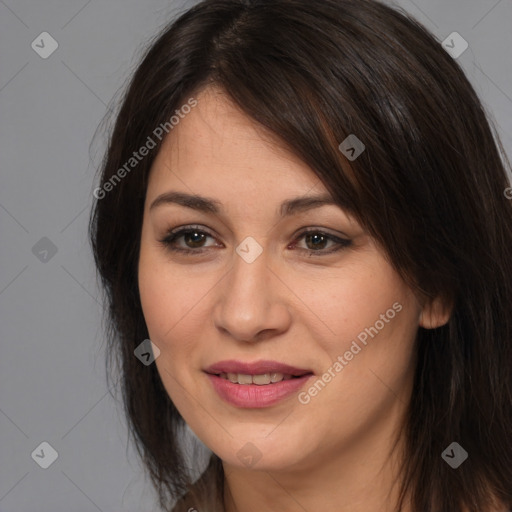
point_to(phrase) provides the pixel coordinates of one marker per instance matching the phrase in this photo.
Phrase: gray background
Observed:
(52, 385)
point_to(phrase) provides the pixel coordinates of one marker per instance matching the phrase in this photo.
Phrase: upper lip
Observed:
(255, 368)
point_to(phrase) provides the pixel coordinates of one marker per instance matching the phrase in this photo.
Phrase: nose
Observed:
(251, 301)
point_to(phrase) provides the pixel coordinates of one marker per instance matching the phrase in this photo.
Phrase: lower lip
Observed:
(254, 396)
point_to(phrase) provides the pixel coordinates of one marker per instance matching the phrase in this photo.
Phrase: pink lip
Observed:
(256, 368)
(254, 395)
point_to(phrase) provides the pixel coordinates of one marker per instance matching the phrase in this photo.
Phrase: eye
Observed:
(191, 235)
(194, 238)
(318, 239)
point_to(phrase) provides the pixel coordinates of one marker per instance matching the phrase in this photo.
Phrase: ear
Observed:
(435, 313)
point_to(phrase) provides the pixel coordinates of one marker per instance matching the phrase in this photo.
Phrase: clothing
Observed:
(205, 494)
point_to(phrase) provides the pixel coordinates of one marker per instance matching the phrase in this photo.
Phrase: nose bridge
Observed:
(248, 287)
(249, 301)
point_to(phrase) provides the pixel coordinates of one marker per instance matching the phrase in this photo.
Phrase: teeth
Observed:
(244, 379)
(276, 377)
(260, 380)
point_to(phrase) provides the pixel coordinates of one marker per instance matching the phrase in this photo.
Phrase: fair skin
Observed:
(333, 453)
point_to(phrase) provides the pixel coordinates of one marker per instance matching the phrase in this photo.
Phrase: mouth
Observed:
(259, 372)
(260, 380)
(256, 385)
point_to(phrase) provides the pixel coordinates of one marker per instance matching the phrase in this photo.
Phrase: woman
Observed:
(305, 210)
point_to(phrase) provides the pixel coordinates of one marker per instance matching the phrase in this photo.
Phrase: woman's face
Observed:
(254, 288)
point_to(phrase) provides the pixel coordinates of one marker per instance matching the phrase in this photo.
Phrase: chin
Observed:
(261, 454)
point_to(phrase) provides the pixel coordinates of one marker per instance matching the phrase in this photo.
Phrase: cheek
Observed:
(374, 350)
(167, 304)
(156, 302)
(158, 296)
(173, 303)
(351, 302)
(370, 356)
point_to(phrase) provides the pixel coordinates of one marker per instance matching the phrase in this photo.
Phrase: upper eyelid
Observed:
(208, 231)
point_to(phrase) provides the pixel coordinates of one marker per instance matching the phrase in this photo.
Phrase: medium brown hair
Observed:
(429, 187)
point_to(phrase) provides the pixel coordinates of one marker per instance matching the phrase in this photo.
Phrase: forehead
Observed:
(218, 149)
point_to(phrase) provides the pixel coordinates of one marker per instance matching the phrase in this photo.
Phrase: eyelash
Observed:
(174, 235)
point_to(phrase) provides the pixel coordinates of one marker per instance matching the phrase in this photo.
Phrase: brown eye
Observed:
(193, 239)
(316, 242)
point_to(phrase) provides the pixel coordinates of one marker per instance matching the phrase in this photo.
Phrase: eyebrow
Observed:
(209, 205)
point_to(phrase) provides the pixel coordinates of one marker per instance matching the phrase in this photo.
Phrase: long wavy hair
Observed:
(431, 187)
